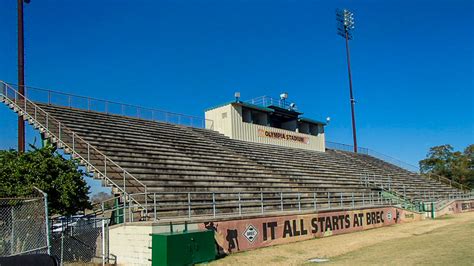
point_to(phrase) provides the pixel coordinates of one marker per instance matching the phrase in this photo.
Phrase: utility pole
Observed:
(345, 20)
(21, 74)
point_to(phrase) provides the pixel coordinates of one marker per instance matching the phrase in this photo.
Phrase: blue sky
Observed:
(412, 61)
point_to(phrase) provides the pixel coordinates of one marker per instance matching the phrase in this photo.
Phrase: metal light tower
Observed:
(345, 20)
(21, 73)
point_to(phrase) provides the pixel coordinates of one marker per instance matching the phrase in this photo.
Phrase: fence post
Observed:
(329, 201)
(12, 251)
(62, 245)
(214, 204)
(124, 213)
(281, 201)
(353, 200)
(103, 242)
(240, 205)
(154, 205)
(130, 212)
(124, 186)
(299, 201)
(189, 205)
(46, 213)
(314, 198)
(146, 204)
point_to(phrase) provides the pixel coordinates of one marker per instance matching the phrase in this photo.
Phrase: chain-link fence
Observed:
(23, 226)
(82, 239)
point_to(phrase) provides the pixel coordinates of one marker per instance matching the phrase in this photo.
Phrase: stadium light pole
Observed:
(345, 20)
(21, 73)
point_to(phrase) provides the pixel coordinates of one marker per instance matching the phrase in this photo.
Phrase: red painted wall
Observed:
(246, 234)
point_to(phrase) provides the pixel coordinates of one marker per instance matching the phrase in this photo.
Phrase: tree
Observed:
(455, 165)
(60, 178)
(103, 197)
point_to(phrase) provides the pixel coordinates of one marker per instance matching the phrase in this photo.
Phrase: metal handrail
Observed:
(139, 112)
(370, 152)
(446, 181)
(386, 158)
(388, 188)
(268, 101)
(237, 202)
(345, 147)
(394, 161)
(64, 129)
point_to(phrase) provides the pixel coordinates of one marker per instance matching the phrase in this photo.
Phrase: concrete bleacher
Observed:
(335, 167)
(173, 160)
(414, 185)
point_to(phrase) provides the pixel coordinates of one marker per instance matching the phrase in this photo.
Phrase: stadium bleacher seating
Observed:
(173, 160)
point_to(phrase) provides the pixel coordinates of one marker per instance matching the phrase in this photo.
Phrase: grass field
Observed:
(448, 240)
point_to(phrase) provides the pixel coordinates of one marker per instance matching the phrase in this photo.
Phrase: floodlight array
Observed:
(346, 24)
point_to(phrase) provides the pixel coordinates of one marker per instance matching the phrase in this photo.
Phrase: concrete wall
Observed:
(228, 121)
(456, 206)
(131, 244)
(221, 118)
(247, 234)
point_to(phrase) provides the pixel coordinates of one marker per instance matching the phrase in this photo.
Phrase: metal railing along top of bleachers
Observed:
(111, 107)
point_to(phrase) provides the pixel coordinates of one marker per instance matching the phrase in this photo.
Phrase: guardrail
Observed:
(111, 107)
(386, 158)
(446, 181)
(345, 147)
(462, 196)
(163, 205)
(367, 151)
(238, 204)
(394, 161)
(59, 132)
(266, 101)
(378, 182)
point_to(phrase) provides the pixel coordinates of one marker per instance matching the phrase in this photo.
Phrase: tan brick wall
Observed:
(130, 243)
